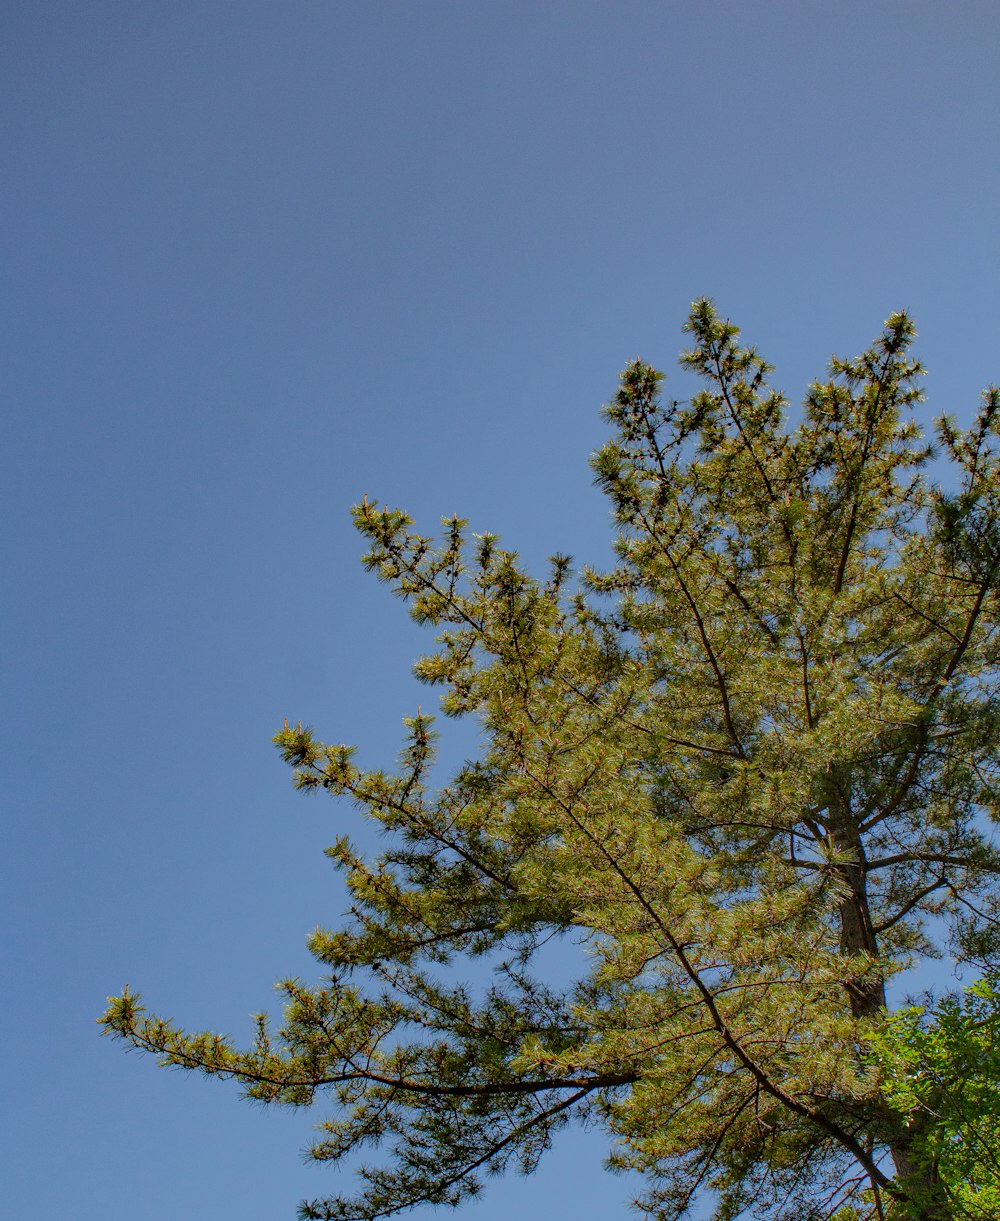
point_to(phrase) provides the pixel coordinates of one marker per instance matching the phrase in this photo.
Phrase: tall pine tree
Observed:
(751, 770)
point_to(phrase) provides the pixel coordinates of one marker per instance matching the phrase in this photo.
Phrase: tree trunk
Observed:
(857, 934)
(919, 1177)
(915, 1173)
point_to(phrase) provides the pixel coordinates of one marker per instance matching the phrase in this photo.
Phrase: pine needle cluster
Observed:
(751, 770)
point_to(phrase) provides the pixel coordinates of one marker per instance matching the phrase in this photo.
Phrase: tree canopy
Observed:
(940, 1066)
(749, 774)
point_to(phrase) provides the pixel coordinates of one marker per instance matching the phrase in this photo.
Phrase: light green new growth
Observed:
(751, 770)
(940, 1068)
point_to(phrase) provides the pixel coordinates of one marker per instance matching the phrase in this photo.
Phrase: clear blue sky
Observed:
(263, 258)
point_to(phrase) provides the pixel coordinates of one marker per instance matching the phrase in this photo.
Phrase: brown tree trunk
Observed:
(917, 1175)
(857, 933)
(919, 1178)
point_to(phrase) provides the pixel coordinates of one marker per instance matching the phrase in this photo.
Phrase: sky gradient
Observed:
(262, 259)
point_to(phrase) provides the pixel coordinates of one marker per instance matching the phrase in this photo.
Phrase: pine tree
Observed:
(748, 775)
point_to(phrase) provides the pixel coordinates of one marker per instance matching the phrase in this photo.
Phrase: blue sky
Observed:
(263, 259)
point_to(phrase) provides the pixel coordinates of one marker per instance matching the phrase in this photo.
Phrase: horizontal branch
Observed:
(485, 1090)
